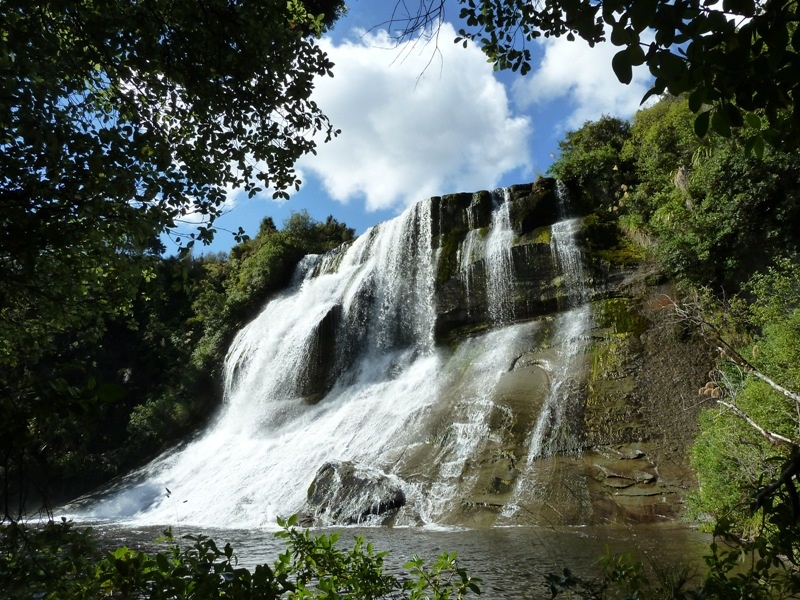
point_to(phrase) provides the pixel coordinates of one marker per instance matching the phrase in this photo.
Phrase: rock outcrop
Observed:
(344, 493)
(632, 412)
(461, 292)
(618, 451)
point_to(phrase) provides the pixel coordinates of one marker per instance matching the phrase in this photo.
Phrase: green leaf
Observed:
(642, 13)
(622, 66)
(720, 123)
(752, 120)
(733, 115)
(620, 35)
(701, 123)
(696, 100)
(636, 55)
(755, 147)
(111, 393)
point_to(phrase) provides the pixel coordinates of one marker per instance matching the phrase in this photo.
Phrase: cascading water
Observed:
(499, 262)
(470, 252)
(343, 368)
(554, 431)
(572, 327)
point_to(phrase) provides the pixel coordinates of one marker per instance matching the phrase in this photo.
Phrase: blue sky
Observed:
(431, 119)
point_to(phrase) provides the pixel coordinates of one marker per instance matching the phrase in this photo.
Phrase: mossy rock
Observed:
(619, 315)
(455, 336)
(454, 215)
(540, 235)
(604, 240)
(449, 244)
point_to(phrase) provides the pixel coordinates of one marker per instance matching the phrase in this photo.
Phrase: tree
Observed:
(738, 60)
(590, 160)
(698, 198)
(119, 118)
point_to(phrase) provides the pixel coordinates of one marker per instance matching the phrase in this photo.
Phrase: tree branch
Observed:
(772, 437)
(692, 314)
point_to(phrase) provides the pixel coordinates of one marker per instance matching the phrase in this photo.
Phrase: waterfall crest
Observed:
(339, 389)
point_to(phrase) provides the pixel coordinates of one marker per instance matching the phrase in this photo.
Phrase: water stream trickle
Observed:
(555, 430)
(499, 260)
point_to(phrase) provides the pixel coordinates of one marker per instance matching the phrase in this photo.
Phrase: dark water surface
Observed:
(511, 561)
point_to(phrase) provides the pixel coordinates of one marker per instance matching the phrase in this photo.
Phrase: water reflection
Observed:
(511, 561)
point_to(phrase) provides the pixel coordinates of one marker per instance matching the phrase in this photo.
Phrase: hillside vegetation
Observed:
(724, 225)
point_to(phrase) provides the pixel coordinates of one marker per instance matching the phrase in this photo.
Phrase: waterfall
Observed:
(470, 251)
(552, 432)
(343, 368)
(499, 263)
(555, 430)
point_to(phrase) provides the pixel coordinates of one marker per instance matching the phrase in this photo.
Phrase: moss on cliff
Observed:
(604, 240)
(611, 414)
(619, 316)
(449, 244)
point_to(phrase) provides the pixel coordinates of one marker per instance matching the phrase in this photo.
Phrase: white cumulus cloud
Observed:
(415, 123)
(583, 77)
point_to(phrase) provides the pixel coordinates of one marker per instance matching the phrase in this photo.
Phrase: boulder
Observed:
(345, 493)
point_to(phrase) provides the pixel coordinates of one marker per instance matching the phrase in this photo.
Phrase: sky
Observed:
(429, 119)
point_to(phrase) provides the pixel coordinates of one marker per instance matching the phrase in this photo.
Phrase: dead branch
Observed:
(790, 471)
(406, 21)
(691, 313)
(772, 437)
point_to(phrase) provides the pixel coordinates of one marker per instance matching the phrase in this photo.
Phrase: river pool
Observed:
(511, 561)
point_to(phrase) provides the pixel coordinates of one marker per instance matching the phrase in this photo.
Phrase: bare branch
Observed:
(789, 473)
(691, 313)
(405, 22)
(772, 437)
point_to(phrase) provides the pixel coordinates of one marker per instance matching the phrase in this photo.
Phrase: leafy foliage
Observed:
(119, 119)
(755, 569)
(60, 562)
(738, 62)
(696, 198)
(591, 161)
(732, 459)
(724, 224)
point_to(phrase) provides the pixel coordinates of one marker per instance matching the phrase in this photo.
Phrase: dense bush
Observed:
(717, 215)
(591, 162)
(733, 459)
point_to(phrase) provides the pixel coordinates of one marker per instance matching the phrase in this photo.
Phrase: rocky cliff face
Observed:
(461, 222)
(617, 450)
(482, 359)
